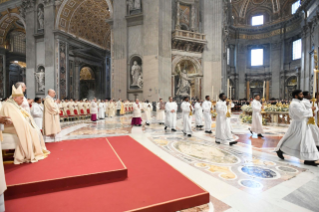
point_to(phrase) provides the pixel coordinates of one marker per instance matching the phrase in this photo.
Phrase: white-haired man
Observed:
(51, 118)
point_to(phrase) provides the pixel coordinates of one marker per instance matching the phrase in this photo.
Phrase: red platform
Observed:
(71, 164)
(152, 186)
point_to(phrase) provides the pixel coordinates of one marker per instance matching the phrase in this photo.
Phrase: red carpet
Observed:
(152, 186)
(71, 164)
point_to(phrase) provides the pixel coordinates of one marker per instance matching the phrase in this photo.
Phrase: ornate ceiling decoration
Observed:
(275, 10)
(86, 19)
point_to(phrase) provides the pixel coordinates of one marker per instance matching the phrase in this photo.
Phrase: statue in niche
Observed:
(40, 77)
(130, 4)
(183, 87)
(136, 73)
(137, 4)
(40, 18)
(184, 15)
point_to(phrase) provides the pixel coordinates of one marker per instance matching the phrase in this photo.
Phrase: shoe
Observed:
(189, 135)
(197, 126)
(280, 154)
(165, 128)
(260, 135)
(147, 124)
(139, 125)
(232, 143)
(173, 130)
(209, 132)
(250, 131)
(201, 126)
(217, 142)
(311, 163)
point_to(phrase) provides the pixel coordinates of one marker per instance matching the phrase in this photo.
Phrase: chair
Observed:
(82, 115)
(76, 114)
(88, 112)
(69, 115)
(63, 117)
(10, 142)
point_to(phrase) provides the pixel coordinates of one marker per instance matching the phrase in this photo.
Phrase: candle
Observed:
(227, 88)
(314, 83)
(264, 88)
(230, 92)
(212, 92)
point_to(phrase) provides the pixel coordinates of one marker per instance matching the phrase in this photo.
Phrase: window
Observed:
(17, 42)
(296, 49)
(294, 7)
(257, 57)
(228, 56)
(257, 20)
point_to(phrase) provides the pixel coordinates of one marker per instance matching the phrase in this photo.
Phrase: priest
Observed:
(106, 106)
(148, 108)
(298, 140)
(198, 114)
(257, 121)
(31, 147)
(94, 110)
(223, 128)
(171, 111)
(187, 110)
(160, 111)
(111, 109)
(207, 108)
(137, 114)
(51, 118)
(3, 121)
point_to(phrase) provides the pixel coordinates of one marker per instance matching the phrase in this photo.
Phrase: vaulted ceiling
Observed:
(274, 10)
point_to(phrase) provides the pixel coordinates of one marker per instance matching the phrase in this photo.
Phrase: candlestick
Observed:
(314, 83)
(227, 88)
(212, 92)
(230, 92)
(264, 89)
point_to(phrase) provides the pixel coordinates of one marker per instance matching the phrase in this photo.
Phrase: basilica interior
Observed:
(152, 49)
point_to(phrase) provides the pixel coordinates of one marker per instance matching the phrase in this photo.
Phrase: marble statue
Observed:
(130, 4)
(136, 73)
(183, 87)
(40, 77)
(137, 4)
(41, 18)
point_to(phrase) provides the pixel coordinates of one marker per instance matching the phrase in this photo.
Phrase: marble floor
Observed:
(245, 177)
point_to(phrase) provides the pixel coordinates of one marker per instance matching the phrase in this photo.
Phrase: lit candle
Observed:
(227, 88)
(264, 88)
(314, 83)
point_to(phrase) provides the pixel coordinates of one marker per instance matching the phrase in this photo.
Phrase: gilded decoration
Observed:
(86, 19)
(86, 74)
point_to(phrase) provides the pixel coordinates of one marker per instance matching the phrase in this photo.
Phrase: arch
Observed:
(86, 73)
(14, 15)
(195, 62)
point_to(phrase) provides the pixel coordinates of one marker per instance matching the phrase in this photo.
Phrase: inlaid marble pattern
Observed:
(240, 169)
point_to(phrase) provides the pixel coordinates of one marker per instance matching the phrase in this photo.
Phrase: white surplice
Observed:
(256, 125)
(198, 114)
(314, 128)
(94, 108)
(187, 124)
(148, 107)
(160, 113)
(101, 110)
(207, 106)
(25, 105)
(137, 110)
(223, 128)
(298, 140)
(170, 116)
(37, 114)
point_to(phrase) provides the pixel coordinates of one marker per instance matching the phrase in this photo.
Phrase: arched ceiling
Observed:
(86, 20)
(276, 10)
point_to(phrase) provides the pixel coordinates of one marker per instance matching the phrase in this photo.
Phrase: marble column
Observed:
(178, 15)
(3, 79)
(77, 70)
(247, 91)
(267, 90)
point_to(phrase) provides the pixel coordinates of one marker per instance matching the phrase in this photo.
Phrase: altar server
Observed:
(257, 121)
(160, 111)
(198, 114)
(37, 112)
(187, 110)
(51, 117)
(148, 108)
(106, 106)
(207, 108)
(3, 121)
(298, 140)
(111, 109)
(171, 111)
(101, 110)
(94, 110)
(31, 146)
(223, 128)
(137, 114)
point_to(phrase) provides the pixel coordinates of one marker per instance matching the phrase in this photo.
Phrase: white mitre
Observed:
(16, 92)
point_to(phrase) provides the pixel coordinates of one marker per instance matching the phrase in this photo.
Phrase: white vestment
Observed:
(199, 114)
(257, 125)
(147, 107)
(160, 113)
(223, 128)
(298, 140)
(137, 110)
(207, 106)
(171, 116)
(314, 128)
(94, 108)
(101, 110)
(37, 114)
(187, 124)
(25, 105)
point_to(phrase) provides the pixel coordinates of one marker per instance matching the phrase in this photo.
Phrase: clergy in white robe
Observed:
(314, 128)
(187, 109)
(198, 114)
(106, 106)
(37, 112)
(51, 117)
(171, 112)
(223, 127)
(112, 109)
(298, 140)
(207, 108)
(25, 104)
(160, 111)
(3, 186)
(257, 121)
(94, 110)
(101, 110)
(137, 114)
(148, 108)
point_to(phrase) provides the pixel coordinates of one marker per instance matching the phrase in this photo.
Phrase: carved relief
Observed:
(136, 73)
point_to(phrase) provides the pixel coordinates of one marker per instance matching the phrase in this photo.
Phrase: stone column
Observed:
(247, 91)
(3, 79)
(267, 90)
(77, 69)
(193, 16)
(178, 15)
